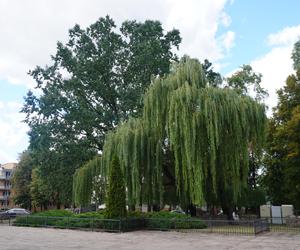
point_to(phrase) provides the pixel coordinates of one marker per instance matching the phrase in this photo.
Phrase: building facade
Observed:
(6, 171)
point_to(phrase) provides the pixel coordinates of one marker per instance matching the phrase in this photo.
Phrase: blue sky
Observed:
(253, 21)
(228, 33)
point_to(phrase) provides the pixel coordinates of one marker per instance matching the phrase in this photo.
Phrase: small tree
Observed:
(116, 197)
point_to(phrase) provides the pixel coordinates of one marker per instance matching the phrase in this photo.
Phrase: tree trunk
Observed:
(228, 210)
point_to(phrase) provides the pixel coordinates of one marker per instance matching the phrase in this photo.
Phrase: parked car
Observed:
(14, 212)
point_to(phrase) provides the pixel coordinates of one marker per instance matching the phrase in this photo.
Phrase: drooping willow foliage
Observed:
(84, 182)
(191, 136)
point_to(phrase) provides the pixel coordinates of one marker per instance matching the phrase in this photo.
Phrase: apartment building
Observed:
(6, 171)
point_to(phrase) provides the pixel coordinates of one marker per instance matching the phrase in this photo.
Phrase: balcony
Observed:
(5, 187)
(4, 197)
(4, 177)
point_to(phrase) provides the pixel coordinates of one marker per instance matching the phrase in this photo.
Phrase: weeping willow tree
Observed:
(191, 143)
(88, 184)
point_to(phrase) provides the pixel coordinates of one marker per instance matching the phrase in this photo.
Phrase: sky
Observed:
(229, 33)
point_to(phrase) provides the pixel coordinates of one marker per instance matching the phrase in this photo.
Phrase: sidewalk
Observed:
(27, 238)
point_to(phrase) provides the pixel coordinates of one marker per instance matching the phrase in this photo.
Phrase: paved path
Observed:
(23, 238)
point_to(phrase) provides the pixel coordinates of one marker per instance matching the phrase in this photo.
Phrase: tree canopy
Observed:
(94, 81)
(296, 56)
(97, 79)
(192, 139)
(245, 81)
(282, 172)
(21, 180)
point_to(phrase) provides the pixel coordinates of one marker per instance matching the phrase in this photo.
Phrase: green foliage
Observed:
(165, 215)
(107, 71)
(214, 79)
(296, 56)
(245, 80)
(95, 80)
(38, 190)
(97, 215)
(197, 135)
(252, 198)
(156, 220)
(67, 222)
(21, 180)
(116, 197)
(54, 213)
(282, 172)
(86, 181)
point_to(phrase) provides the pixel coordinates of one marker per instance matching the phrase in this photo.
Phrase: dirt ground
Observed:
(25, 238)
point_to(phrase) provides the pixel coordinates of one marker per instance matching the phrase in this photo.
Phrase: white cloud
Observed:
(285, 37)
(276, 65)
(225, 19)
(198, 22)
(30, 29)
(228, 40)
(13, 138)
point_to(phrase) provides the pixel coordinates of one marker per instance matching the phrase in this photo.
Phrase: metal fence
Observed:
(288, 224)
(109, 225)
(204, 226)
(243, 227)
(5, 219)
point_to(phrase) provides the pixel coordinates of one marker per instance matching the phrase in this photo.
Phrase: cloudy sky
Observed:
(227, 32)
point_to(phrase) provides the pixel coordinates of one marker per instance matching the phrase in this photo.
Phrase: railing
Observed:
(5, 197)
(4, 177)
(287, 224)
(5, 187)
(93, 224)
(132, 224)
(261, 225)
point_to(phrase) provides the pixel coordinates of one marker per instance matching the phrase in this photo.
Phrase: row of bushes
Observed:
(101, 214)
(68, 222)
(95, 220)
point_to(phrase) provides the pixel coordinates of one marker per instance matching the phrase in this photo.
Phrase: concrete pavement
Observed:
(26, 238)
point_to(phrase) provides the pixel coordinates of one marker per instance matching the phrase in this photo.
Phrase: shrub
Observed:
(136, 220)
(166, 215)
(55, 213)
(98, 215)
(116, 197)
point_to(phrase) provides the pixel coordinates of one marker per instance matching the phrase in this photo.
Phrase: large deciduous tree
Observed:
(21, 180)
(191, 142)
(245, 81)
(296, 56)
(282, 171)
(95, 81)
